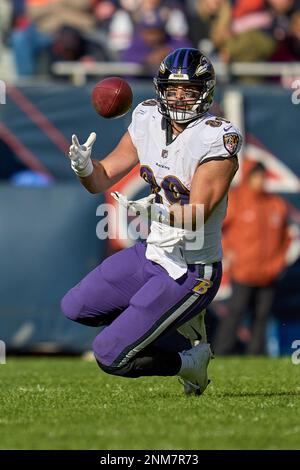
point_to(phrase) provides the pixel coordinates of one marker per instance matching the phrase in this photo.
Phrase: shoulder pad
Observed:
(151, 102)
(216, 121)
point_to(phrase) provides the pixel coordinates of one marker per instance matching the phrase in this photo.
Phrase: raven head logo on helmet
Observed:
(189, 68)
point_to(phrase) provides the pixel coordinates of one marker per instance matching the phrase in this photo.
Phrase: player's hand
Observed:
(139, 204)
(145, 206)
(80, 155)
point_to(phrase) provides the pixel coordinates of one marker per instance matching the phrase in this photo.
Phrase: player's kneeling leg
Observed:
(70, 306)
(76, 310)
(149, 361)
(101, 350)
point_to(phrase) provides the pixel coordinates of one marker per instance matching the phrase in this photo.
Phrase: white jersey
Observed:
(169, 169)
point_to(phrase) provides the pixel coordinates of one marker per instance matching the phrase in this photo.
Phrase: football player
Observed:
(188, 157)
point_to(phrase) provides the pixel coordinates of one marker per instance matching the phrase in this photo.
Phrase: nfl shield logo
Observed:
(164, 153)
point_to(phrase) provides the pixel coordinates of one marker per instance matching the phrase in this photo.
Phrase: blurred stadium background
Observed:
(51, 55)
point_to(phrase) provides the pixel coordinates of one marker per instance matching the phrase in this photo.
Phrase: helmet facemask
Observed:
(186, 109)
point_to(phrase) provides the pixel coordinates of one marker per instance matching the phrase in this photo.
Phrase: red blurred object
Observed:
(21, 22)
(244, 7)
(112, 97)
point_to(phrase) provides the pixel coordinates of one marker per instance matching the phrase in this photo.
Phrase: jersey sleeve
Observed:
(221, 143)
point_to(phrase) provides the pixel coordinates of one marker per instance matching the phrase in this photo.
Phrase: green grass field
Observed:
(66, 403)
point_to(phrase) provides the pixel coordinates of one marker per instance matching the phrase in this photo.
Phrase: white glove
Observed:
(80, 155)
(144, 206)
(140, 205)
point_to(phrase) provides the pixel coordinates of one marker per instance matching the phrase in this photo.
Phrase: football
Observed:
(112, 97)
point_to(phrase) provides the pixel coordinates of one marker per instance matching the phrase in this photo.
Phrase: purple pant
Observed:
(142, 298)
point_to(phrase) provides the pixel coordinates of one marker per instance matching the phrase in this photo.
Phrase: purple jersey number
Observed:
(174, 189)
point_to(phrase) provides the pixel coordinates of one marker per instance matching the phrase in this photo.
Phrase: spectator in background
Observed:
(49, 25)
(151, 43)
(281, 11)
(249, 46)
(209, 24)
(242, 8)
(6, 12)
(103, 11)
(255, 242)
(288, 49)
(132, 13)
(251, 38)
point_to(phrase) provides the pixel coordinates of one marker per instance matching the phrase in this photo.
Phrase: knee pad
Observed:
(70, 308)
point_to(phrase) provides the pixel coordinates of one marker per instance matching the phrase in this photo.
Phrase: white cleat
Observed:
(195, 378)
(194, 329)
